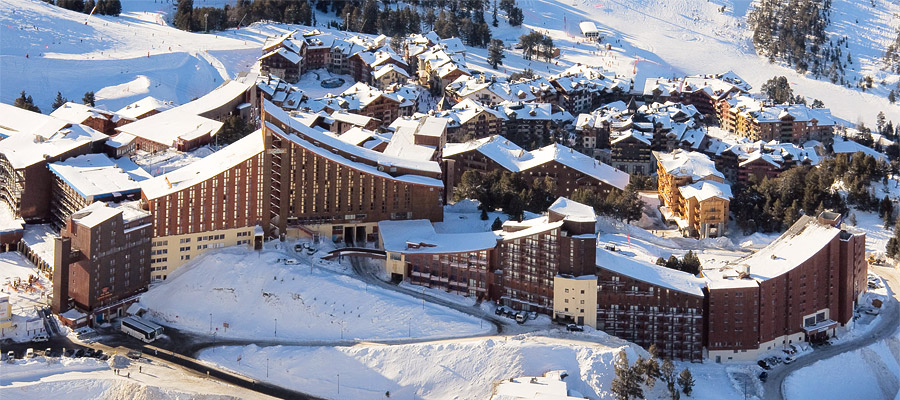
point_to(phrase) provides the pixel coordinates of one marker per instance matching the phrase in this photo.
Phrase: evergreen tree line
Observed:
(624, 205)
(506, 191)
(690, 263)
(104, 7)
(630, 380)
(536, 44)
(24, 101)
(243, 13)
(793, 31)
(773, 205)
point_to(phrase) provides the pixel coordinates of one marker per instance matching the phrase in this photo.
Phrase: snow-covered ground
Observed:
(15, 271)
(260, 297)
(874, 372)
(87, 378)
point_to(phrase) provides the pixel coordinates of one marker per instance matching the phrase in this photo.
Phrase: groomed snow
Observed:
(249, 290)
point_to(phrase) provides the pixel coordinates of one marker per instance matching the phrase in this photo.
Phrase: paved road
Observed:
(890, 319)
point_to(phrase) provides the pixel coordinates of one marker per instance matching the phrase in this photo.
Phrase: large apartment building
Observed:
(695, 194)
(318, 184)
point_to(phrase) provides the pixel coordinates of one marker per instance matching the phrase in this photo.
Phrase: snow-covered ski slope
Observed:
(650, 38)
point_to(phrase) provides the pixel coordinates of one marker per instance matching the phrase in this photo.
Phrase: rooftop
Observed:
(418, 236)
(143, 106)
(98, 212)
(28, 149)
(573, 210)
(204, 168)
(96, 175)
(692, 164)
(650, 272)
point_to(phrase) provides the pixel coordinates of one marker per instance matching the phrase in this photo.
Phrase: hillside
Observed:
(649, 38)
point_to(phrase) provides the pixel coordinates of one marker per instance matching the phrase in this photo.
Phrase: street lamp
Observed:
(276, 327)
(339, 383)
(267, 367)
(210, 322)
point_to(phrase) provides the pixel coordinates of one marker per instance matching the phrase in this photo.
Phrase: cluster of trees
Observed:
(772, 205)
(243, 12)
(631, 380)
(893, 245)
(624, 205)
(366, 17)
(469, 26)
(507, 191)
(536, 44)
(103, 7)
(793, 31)
(513, 12)
(892, 56)
(233, 129)
(495, 53)
(26, 102)
(690, 263)
(778, 89)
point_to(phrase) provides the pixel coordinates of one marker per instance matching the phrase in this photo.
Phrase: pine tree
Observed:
(59, 101)
(497, 225)
(691, 263)
(892, 97)
(26, 102)
(88, 99)
(183, 14)
(484, 214)
(495, 53)
(494, 20)
(667, 375)
(686, 381)
(626, 384)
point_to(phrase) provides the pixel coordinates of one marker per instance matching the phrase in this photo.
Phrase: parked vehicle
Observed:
(574, 328)
(298, 247)
(872, 311)
(498, 311)
(310, 251)
(520, 317)
(10, 355)
(763, 364)
(40, 338)
(48, 352)
(788, 360)
(29, 353)
(78, 353)
(763, 376)
(290, 261)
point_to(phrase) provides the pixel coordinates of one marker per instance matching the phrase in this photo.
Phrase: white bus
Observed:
(136, 328)
(156, 327)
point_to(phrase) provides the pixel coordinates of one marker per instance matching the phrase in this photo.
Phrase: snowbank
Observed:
(257, 296)
(36, 368)
(462, 369)
(874, 372)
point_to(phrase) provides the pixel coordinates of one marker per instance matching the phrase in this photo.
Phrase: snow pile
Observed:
(119, 362)
(112, 389)
(15, 271)
(874, 371)
(462, 369)
(36, 368)
(240, 293)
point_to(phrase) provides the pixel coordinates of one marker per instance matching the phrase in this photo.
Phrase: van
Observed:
(41, 338)
(29, 353)
(520, 318)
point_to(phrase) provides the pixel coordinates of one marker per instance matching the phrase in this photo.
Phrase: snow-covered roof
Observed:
(143, 106)
(120, 140)
(845, 146)
(588, 27)
(397, 235)
(98, 212)
(23, 150)
(335, 143)
(78, 113)
(15, 121)
(167, 127)
(706, 189)
(551, 386)
(649, 272)
(220, 96)
(515, 159)
(356, 136)
(688, 163)
(384, 69)
(204, 168)
(717, 86)
(351, 118)
(527, 227)
(800, 242)
(573, 210)
(96, 175)
(292, 57)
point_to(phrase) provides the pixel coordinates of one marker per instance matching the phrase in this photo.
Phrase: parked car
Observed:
(574, 328)
(310, 251)
(10, 355)
(872, 311)
(48, 352)
(98, 353)
(134, 355)
(78, 353)
(29, 353)
(298, 247)
(290, 261)
(763, 364)
(763, 376)
(788, 360)
(520, 317)
(41, 338)
(498, 311)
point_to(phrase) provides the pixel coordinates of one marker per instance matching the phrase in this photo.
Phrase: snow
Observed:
(26, 149)
(874, 371)
(845, 146)
(160, 162)
(302, 303)
(462, 369)
(622, 262)
(397, 236)
(140, 108)
(15, 270)
(705, 189)
(573, 210)
(93, 175)
(696, 165)
(39, 238)
(205, 168)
